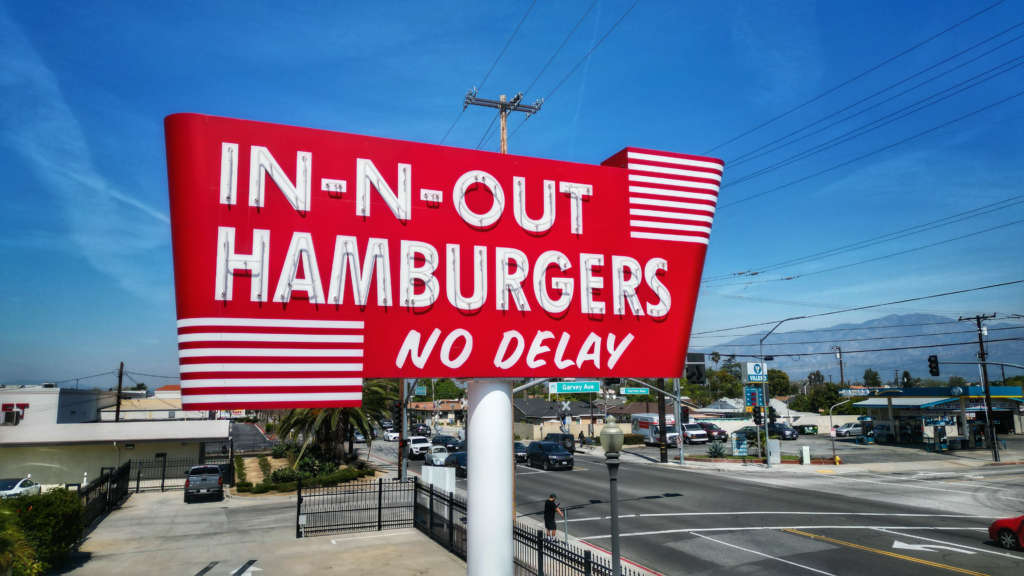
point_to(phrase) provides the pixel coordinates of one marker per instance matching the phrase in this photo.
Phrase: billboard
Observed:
(306, 260)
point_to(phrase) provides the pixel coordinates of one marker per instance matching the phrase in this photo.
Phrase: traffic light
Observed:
(757, 415)
(772, 414)
(933, 365)
(396, 413)
(686, 415)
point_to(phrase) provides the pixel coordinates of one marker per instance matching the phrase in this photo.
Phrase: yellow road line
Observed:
(885, 553)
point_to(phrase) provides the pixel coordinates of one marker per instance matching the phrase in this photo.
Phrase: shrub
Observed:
(260, 488)
(270, 427)
(279, 451)
(286, 487)
(316, 467)
(51, 522)
(628, 439)
(286, 475)
(264, 466)
(243, 489)
(239, 468)
(716, 450)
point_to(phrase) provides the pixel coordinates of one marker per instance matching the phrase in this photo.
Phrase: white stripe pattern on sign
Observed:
(673, 160)
(290, 367)
(248, 337)
(222, 361)
(269, 323)
(256, 382)
(674, 171)
(672, 215)
(688, 190)
(271, 352)
(672, 182)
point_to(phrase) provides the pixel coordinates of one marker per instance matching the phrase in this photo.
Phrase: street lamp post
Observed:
(764, 384)
(611, 441)
(830, 427)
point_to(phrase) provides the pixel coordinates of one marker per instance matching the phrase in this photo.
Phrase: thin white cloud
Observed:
(119, 235)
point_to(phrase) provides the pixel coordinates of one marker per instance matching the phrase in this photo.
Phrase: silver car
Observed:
(849, 429)
(14, 487)
(436, 456)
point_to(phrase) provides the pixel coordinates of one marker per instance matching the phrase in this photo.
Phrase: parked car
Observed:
(359, 438)
(449, 442)
(548, 455)
(435, 456)
(751, 433)
(1008, 532)
(457, 461)
(390, 435)
(884, 433)
(418, 447)
(783, 431)
(849, 429)
(519, 450)
(14, 487)
(807, 428)
(693, 434)
(204, 480)
(715, 434)
(386, 424)
(568, 441)
(420, 430)
(462, 447)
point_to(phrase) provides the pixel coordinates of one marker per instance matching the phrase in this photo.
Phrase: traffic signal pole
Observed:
(679, 424)
(663, 425)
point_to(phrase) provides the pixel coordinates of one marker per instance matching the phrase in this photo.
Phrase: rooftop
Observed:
(147, 404)
(109, 432)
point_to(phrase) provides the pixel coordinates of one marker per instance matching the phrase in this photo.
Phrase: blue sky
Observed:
(84, 235)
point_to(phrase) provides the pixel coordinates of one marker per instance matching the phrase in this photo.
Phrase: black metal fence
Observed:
(391, 504)
(365, 506)
(168, 474)
(105, 493)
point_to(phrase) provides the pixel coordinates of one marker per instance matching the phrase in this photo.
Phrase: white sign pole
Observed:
(490, 471)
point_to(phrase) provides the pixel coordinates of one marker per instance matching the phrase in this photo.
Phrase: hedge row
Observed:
(51, 523)
(332, 479)
(628, 439)
(239, 468)
(264, 466)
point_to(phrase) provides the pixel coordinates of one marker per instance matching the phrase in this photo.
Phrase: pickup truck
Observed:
(204, 481)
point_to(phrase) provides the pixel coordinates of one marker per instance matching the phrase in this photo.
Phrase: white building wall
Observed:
(48, 406)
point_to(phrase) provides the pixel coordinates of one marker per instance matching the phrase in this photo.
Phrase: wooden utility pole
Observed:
(990, 433)
(504, 107)
(117, 411)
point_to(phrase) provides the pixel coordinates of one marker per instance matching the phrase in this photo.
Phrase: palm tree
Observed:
(324, 422)
(14, 548)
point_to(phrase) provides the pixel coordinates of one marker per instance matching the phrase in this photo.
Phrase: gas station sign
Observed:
(306, 260)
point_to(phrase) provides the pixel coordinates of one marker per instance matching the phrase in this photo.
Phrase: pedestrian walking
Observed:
(550, 508)
(581, 437)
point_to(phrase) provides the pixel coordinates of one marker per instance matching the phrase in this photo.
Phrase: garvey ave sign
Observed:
(305, 260)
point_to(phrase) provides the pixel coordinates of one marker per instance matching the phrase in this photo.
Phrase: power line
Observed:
(872, 241)
(79, 378)
(851, 134)
(862, 339)
(740, 159)
(905, 140)
(821, 304)
(827, 92)
(834, 268)
(818, 330)
(619, 21)
(868, 306)
(491, 69)
(802, 354)
(153, 375)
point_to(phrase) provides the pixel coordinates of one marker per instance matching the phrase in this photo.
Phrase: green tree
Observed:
(872, 379)
(139, 386)
(15, 549)
(802, 403)
(827, 395)
(724, 384)
(732, 366)
(816, 378)
(716, 358)
(908, 381)
(778, 382)
(957, 381)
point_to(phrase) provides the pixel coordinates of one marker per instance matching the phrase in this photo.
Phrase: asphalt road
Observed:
(690, 522)
(247, 438)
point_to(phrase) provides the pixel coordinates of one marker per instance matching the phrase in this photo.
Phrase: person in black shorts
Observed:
(550, 507)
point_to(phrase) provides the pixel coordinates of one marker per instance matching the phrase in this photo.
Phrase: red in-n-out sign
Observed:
(305, 260)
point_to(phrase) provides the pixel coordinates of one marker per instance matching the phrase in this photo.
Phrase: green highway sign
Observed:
(421, 390)
(634, 391)
(579, 386)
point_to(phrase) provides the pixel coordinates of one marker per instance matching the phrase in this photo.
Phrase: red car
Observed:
(715, 433)
(1008, 532)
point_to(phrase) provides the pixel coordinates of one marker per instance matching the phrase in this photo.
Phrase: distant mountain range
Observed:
(939, 333)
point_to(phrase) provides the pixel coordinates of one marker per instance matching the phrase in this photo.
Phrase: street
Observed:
(676, 521)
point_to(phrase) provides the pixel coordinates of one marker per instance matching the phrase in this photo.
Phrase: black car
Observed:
(449, 442)
(519, 449)
(568, 441)
(783, 431)
(457, 461)
(715, 434)
(548, 455)
(419, 430)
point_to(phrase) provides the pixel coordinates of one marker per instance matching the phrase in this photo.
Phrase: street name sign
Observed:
(634, 391)
(574, 387)
(307, 260)
(421, 390)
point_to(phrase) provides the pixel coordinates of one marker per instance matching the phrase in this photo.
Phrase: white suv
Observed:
(694, 434)
(418, 446)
